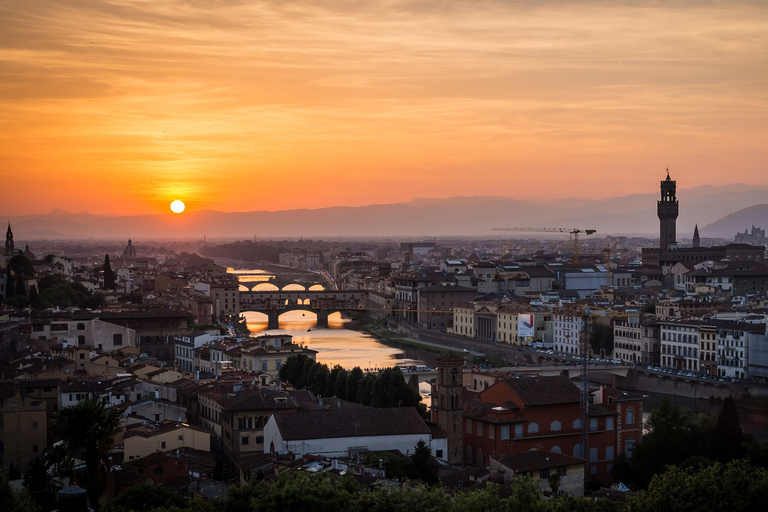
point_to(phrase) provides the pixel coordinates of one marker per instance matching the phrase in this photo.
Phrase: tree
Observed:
(86, 430)
(732, 486)
(13, 500)
(34, 297)
(146, 497)
(109, 275)
(40, 486)
(21, 266)
(554, 482)
(353, 383)
(669, 441)
(601, 338)
(727, 438)
(423, 466)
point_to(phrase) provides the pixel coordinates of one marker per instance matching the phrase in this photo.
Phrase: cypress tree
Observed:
(109, 276)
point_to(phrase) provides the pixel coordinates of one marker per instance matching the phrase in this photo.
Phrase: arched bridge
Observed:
(320, 302)
(281, 284)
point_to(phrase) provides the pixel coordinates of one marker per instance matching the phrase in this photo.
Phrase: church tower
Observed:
(696, 238)
(447, 406)
(667, 210)
(10, 248)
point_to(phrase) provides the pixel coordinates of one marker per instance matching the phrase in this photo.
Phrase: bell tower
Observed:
(10, 248)
(447, 405)
(667, 210)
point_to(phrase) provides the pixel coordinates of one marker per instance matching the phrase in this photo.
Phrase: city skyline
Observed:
(122, 108)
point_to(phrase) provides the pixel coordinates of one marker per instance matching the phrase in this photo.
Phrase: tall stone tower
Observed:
(10, 248)
(447, 406)
(667, 210)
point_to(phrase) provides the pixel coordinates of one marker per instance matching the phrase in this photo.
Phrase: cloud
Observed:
(299, 95)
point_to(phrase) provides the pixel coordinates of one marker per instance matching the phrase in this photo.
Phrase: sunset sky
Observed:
(123, 106)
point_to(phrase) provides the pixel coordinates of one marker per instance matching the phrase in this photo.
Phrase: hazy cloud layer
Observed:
(123, 106)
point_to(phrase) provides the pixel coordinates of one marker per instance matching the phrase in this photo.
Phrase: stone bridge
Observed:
(321, 302)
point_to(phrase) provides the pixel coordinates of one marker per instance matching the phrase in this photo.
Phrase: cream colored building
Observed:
(140, 442)
(23, 427)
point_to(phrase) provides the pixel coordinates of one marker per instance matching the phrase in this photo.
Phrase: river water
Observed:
(335, 345)
(348, 348)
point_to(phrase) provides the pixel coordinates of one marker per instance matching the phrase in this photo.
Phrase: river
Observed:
(349, 348)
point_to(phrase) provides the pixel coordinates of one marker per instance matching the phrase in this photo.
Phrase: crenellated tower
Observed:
(667, 210)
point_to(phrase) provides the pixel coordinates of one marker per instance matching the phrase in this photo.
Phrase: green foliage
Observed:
(727, 439)
(301, 492)
(146, 497)
(383, 389)
(109, 274)
(601, 338)
(34, 297)
(40, 486)
(20, 265)
(87, 430)
(13, 500)
(732, 486)
(133, 298)
(424, 467)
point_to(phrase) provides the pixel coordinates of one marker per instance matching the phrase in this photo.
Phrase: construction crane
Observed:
(572, 231)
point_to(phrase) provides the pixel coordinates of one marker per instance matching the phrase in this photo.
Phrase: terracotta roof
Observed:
(350, 421)
(545, 390)
(536, 460)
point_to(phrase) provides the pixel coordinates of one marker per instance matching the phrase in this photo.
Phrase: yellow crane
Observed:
(572, 231)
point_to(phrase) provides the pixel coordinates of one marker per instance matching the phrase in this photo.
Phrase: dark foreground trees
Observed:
(386, 388)
(85, 431)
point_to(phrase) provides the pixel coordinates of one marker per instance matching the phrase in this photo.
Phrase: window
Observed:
(491, 432)
(592, 454)
(592, 424)
(518, 430)
(479, 429)
(562, 471)
(505, 432)
(609, 453)
(629, 445)
(554, 426)
(577, 424)
(469, 426)
(260, 440)
(544, 474)
(438, 454)
(630, 415)
(609, 423)
(159, 471)
(264, 366)
(34, 424)
(81, 327)
(244, 440)
(181, 437)
(117, 338)
(278, 364)
(162, 445)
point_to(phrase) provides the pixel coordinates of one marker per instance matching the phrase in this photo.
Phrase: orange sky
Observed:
(122, 106)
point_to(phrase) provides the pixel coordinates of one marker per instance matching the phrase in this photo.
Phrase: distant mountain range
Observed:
(719, 212)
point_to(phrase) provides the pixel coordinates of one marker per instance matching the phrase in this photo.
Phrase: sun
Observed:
(177, 206)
